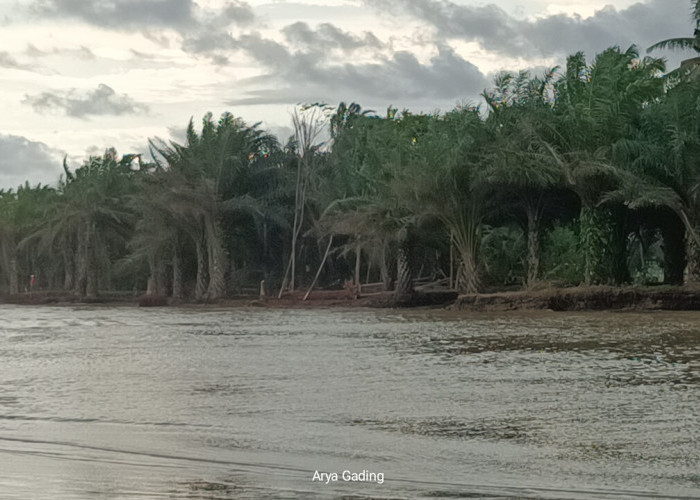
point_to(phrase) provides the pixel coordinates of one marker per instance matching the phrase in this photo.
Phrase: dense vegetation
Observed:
(588, 174)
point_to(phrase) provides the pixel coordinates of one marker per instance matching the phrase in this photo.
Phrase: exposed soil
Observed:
(594, 298)
(557, 299)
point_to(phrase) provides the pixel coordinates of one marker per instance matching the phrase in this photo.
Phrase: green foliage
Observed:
(562, 261)
(503, 249)
(596, 240)
(645, 257)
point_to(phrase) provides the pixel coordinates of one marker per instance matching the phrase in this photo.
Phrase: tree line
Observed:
(586, 174)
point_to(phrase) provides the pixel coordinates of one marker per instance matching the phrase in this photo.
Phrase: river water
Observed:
(128, 403)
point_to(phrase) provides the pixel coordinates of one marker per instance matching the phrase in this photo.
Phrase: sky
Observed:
(78, 76)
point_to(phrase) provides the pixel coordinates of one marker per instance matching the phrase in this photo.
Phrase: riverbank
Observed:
(592, 298)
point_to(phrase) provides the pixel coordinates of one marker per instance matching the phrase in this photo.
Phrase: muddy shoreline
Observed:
(594, 298)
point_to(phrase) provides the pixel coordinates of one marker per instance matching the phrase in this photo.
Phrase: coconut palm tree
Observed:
(683, 43)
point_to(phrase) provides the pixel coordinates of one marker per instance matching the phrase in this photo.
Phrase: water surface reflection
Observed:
(182, 403)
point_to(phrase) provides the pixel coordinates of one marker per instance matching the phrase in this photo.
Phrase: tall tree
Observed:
(443, 176)
(520, 108)
(20, 213)
(214, 167)
(598, 110)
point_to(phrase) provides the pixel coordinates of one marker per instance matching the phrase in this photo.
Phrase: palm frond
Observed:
(673, 44)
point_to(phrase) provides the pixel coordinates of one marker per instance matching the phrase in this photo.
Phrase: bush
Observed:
(562, 260)
(503, 253)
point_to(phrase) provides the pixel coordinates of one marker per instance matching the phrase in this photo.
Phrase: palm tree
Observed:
(666, 164)
(211, 174)
(88, 220)
(519, 110)
(91, 210)
(350, 190)
(441, 176)
(598, 110)
(9, 230)
(683, 43)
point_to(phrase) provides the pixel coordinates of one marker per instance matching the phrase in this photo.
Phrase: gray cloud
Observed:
(236, 12)
(319, 42)
(558, 35)
(122, 14)
(202, 29)
(328, 36)
(24, 160)
(211, 36)
(8, 61)
(80, 104)
(302, 76)
(209, 42)
(83, 53)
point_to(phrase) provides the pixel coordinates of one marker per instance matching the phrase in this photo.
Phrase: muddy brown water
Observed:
(128, 403)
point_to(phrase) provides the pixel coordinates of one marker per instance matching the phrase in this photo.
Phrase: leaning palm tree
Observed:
(683, 43)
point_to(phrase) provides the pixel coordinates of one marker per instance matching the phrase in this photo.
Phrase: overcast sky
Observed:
(78, 76)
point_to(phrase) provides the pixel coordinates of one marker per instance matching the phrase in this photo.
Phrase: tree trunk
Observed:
(384, 268)
(156, 280)
(467, 241)
(13, 271)
(217, 260)
(68, 268)
(358, 262)
(201, 280)
(674, 251)
(177, 273)
(92, 272)
(81, 266)
(299, 201)
(691, 274)
(151, 282)
(587, 247)
(285, 280)
(320, 268)
(619, 233)
(452, 261)
(596, 240)
(533, 246)
(467, 274)
(404, 276)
